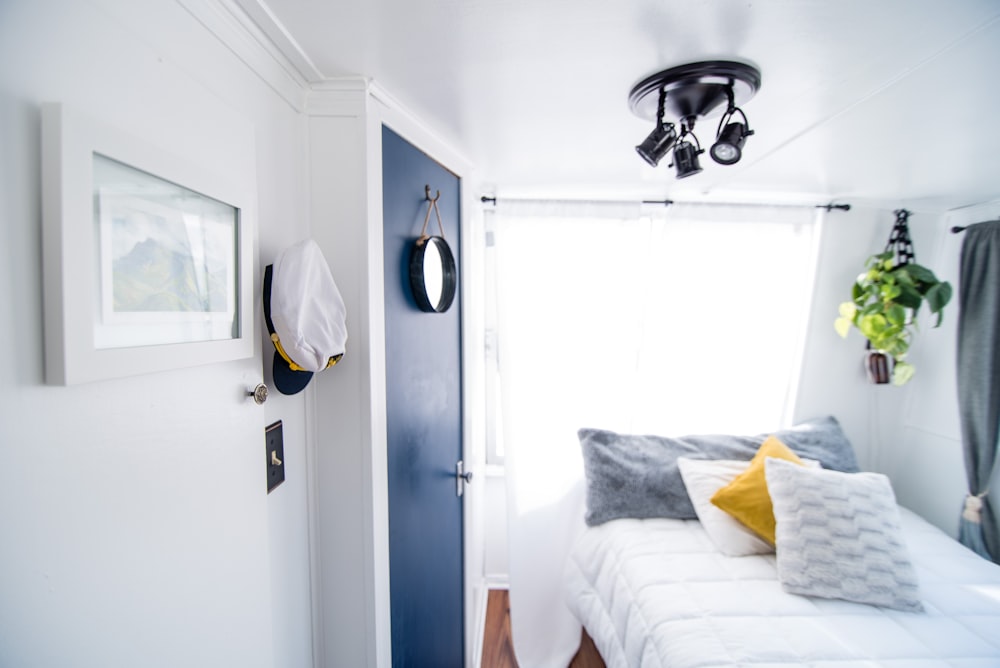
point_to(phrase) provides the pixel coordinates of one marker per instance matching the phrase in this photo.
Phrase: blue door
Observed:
(424, 420)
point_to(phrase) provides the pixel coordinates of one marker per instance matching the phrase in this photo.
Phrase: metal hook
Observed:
(431, 204)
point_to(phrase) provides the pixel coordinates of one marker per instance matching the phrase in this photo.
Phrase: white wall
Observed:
(926, 453)
(833, 380)
(136, 526)
(911, 433)
(495, 560)
(345, 406)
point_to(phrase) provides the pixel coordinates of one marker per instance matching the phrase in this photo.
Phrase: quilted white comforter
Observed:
(656, 593)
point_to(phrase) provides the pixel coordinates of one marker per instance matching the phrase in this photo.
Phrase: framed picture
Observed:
(148, 258)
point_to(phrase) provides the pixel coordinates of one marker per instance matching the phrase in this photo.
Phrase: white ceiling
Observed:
(891, 102)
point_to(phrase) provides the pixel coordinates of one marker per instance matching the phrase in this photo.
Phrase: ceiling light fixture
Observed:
(655, 146)
(730, 137)
(689, 93)
(686, 154)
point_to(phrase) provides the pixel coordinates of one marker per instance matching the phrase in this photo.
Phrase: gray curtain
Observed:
(979, 383)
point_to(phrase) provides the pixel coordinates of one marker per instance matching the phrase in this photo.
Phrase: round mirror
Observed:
(432, 274)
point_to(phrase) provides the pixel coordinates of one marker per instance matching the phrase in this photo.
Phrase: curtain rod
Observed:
(486, 199)
(962, 228)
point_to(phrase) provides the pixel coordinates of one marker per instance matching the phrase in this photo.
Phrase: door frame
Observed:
(383, 109)
(389, 113)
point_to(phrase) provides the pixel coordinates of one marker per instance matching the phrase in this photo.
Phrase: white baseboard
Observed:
(496, 581)
(488, 583)
(481, 601)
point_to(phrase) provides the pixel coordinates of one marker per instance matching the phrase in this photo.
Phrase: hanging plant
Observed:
(886, 297)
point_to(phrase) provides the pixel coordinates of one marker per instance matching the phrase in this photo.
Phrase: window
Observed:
(689, 320)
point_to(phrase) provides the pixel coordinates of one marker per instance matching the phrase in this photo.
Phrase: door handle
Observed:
(462, 477)
(258, 393)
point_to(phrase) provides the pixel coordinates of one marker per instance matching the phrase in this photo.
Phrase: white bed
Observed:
(657, 592)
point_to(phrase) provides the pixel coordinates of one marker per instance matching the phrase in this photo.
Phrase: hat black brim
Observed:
(286, 380)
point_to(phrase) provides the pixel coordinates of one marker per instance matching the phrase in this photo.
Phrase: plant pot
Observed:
(878, 365)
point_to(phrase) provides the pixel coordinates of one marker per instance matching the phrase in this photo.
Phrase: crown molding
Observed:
(254, 34)
(249, 30)
(417, 131)
(281, 39)
(341, 96)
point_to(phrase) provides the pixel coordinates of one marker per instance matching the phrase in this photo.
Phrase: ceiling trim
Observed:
(239, 30)
(344, 96)
(353, 96)
(420, 133)
(253, 34)
(281, 39)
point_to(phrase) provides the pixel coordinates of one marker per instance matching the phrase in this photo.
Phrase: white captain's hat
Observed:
(305, 316)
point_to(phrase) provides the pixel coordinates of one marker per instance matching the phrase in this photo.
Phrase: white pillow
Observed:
(703, 478)
(839, 536)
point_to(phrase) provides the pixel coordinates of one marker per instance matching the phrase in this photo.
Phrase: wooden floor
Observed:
(498, 650)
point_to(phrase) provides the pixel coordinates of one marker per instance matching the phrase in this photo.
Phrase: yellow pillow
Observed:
(746, 497)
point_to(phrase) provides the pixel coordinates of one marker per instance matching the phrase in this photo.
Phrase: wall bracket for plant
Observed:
(885, 300)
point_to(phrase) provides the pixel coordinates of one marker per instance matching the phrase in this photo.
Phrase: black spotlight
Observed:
(728, 147)
(686, 159)
(656, 145)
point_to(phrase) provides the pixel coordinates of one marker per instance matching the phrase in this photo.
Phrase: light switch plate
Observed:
(275, 455)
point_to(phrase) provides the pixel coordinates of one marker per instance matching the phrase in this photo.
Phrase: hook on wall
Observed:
(431, 206)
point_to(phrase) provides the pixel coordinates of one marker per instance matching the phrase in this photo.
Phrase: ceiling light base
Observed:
(695, 90)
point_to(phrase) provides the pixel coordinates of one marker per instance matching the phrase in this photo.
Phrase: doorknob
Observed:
(462, 477)
(258, 393)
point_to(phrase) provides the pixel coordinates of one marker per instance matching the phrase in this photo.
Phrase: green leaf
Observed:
(921, 274)
(869, 309)
(872, 325)
(896, 314)
(848, 310)
(857, 292)
(890, 291)
(843, 326)
(909, 297)
(903, 276)
(896, 346)
(902, 372)
(938, 297)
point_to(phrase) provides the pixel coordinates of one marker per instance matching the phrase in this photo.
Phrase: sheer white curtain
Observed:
(686, 320)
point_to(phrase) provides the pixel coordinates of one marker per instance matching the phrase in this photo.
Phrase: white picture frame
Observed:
(110, 312)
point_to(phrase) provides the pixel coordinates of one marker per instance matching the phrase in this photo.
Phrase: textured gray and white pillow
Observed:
(637, 476)
(839, 535)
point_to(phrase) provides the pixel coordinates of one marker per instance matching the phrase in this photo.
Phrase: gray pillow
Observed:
(637, 476)
(821, 439)
(838, 535)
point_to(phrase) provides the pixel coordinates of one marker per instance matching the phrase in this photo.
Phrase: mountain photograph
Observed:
(154, 278)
